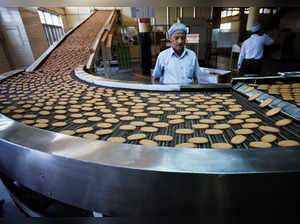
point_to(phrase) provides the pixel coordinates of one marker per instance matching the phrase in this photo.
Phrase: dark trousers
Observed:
(251, 66)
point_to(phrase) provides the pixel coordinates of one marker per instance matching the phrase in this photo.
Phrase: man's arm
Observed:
(158, 71)
(197, 71)
(241, 56)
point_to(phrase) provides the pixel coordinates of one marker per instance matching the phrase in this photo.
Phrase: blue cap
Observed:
(255, 28)
(177, 27)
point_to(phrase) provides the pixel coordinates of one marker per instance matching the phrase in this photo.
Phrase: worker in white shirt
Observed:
(250, 58)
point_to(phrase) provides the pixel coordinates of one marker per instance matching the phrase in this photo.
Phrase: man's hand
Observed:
(155, 80)
(195, 80)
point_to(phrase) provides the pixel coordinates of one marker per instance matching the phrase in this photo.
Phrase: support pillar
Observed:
(252, 17)
(145, 41)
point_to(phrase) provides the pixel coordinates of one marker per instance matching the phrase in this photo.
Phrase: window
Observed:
(225, 26)
(267, 10)
(52, 25)
(230, 12)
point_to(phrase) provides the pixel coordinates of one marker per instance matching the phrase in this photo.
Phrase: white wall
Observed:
(34, 31)
(15, 41)
(76, 15)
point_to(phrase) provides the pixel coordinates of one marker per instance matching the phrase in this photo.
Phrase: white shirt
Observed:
(174, 69)
(253, 47)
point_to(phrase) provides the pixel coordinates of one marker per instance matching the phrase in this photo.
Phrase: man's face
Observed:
(178, 40)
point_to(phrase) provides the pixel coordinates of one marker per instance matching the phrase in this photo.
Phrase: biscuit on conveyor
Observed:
(103, 132)
(60, 111)
(200, 126)
(184, 131)
(248, 89)
(157, 112)
(184, 113)
(73, 110)
(253, 120)
(44, 112)
(112, 120)
(221, 146)
(42, 121)
(192, 117)
(160, 124)
(212, 109)
(108, 115)
(235, 109)
(242, 116)
(192, 109)
(127, 127)
(221, 126)
(122, 113)
(149, 129)
(207, 121)
(266, 102)
(185, 145)
(248, 112)
(76, 115)
(136, 137)
(273, 111)
(148, 142)
(235, 121)
(238, 139)
(283, 122)
(59, 124)
(104, 125)
(213, 132)
(222, 113)
(19, 111)
(198, 140)
(217, 117)
(174, 116)
(94, 118)
(268, 138)
(127, 118)
(67, 132)
(253, 97)
(90, 114)
(176, 121)
(90, 136)
(17, 116)
(250, 125)
(244, 131)
(80, 121)
(35, 109)
(163, 138)
(41, 125)
(269, 129)
(168, 109)
(116, 139)
(30, 116)
(286, 143)
(151, 119)
(260, 145)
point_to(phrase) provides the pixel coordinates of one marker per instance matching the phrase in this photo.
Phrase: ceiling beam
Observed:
(149, 3)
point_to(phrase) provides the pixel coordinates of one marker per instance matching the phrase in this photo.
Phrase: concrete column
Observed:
(167, 17)
(252, 17)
